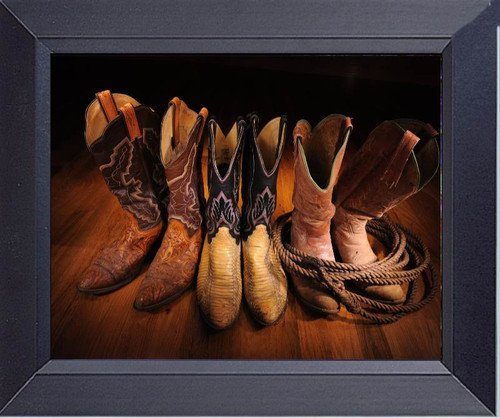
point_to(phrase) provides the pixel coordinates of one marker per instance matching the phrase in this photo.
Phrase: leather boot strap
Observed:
(108, 104)
(399, 158)
(131, 121)
(176, 103)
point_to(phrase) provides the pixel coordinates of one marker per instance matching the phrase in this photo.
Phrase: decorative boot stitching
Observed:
(184, 202)
(127, 188)
(221, 211)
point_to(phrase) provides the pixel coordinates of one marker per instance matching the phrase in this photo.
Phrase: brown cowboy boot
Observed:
(219, 276)
(397, 160)
(122, 143)
(173, 269)
(318, 158)
(264, 280)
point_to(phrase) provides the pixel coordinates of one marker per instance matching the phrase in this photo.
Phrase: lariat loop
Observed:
(407, 261)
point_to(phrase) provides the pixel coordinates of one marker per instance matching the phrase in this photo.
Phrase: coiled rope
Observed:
(407, 260)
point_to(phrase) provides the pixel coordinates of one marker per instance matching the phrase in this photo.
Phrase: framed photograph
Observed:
(92, 321)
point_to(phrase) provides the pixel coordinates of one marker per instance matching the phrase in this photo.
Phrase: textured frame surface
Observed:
(462, 384)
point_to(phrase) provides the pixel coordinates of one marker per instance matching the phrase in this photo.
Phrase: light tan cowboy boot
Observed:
(122, 136)
(219, 286)
(174, 267)
(397, 160)
(318, 158)
(264, 280)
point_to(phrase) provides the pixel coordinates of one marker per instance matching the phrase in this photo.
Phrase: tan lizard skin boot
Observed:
(264, 280)
(318, 158)
(397, 160)
(174, 267)
(219, 285)
(122, 135)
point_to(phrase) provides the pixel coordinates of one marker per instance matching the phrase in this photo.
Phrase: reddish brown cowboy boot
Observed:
(174, 267)
(121, 135)
(318, 158)
(397, 160)
(264, 280)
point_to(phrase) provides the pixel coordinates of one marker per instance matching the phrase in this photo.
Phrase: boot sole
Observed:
(165, 301)
(105, 290)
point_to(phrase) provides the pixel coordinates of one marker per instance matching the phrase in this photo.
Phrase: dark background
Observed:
(368, 88)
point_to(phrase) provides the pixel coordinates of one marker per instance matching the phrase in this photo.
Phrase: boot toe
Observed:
(144, 300)
(221, 320)
(155, 296)
(314, 298)
(268, 317)
(96, 278)
(393, 294)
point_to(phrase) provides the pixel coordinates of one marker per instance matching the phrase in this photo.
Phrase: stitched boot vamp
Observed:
(121, 261)
(174, 267)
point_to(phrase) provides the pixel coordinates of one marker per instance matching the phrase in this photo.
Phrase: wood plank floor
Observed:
(85, 217)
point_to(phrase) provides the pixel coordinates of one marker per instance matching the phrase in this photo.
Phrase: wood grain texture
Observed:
(85, 217)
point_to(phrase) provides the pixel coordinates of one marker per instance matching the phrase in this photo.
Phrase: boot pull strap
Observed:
(204, 114)
(176, 103)
(400, 156)
(431, 132)
(108, 104)
(131, 121)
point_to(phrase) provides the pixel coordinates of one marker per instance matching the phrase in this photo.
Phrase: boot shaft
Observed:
(181, 148)
(318, 157)
(224, 160)
(261, 158)
(122, 147)
(393, 163)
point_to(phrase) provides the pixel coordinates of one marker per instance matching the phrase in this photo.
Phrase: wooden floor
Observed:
(85, 217)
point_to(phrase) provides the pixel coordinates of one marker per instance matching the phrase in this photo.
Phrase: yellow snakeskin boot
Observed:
(219, 285)
(264, 281)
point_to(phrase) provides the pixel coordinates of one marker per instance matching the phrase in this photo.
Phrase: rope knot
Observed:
(312, 262)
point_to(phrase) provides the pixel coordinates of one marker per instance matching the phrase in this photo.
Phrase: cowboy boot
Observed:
(264, 280)
(219, 276)
(397, 160)
(173, 269)
(118, 132)
(318, 158)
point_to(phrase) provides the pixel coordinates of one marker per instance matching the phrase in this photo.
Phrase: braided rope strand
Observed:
(405, 249)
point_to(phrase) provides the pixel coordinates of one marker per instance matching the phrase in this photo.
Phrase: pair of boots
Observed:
(397, 160)
(136, 162)
(229, 235)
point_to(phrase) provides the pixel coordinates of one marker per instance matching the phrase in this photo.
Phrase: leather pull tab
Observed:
(400, 156)
(204, 114)
(431, 132)
(108, 104)
(131, 121)
(176, 103)
(347, 123)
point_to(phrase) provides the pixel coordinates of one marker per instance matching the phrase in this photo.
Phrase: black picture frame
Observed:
(464, 32)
